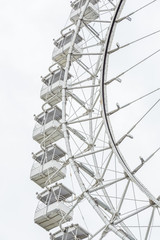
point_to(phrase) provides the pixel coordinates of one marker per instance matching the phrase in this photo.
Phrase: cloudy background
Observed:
(27, 29)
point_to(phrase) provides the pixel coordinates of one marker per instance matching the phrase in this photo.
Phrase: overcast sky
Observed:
(27, 29)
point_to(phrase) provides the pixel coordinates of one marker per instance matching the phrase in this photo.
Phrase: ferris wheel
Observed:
(98, 132)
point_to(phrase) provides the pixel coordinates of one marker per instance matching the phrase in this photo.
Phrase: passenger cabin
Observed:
(51, 91)
(90, 14)
(46, 165)
(47, 129)
(51, 208)
(71, 233)
(62, 46)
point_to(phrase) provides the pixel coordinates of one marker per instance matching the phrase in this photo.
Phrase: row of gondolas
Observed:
(47, 168)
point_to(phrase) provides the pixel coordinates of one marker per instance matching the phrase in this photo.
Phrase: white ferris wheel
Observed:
(98, 132)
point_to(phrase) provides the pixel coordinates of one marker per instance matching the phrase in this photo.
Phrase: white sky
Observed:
(27, 29)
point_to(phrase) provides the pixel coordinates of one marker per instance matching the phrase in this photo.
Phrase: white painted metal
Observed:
(55, 193)
(91, 155)
(41, 172)
(48, 217)
(127, 235)
(47, 129)
(105, 108)
(53, 94)
(69, 151)
(62, 46)
(91, 12)
(52, 152)
(70, 233)
(51, 208)
(42, 132)
(51, 91)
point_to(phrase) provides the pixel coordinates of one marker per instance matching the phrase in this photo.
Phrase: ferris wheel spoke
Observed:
(90, 153)
(158, 211)
(106, 10)
(127, 234)
(80, 116)
(117, 78)
(104, 158)
(98, 133)
(86, 179)
(91, 46)
(150, 224)
(75, 111)
(96, 40)
(84, 120)
(134, 212)
(133, 42)
(132, 13)
(95, 101)
(107, 5)
(88, 52)
(79, 148)
(85, 86)
(83, 218)
(95, 34)
(80, 82)
(132, 102)
(85, 68)
(111, 2)
(106, 197)
(97, 124)
(134, 194)
(108, 159)
(79, 135)
(95, 234)
(123, 197)
(105, 185)
(127, 199)
(136, 124)
(70, 117)
(82, 127)
(115, 160)
(144, 161)
(139, 210)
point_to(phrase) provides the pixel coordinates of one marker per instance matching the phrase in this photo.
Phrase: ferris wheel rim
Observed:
(85, 192)
(104, 104)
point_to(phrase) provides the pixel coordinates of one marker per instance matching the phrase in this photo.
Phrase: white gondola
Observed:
(71, 233)
(51, 91)
(62, 46)
(91, 13)
(46, 165)
(51, 208)
(47, 128)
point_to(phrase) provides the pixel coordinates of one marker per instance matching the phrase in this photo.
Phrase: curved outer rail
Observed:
(105, 107)
(66, 135)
